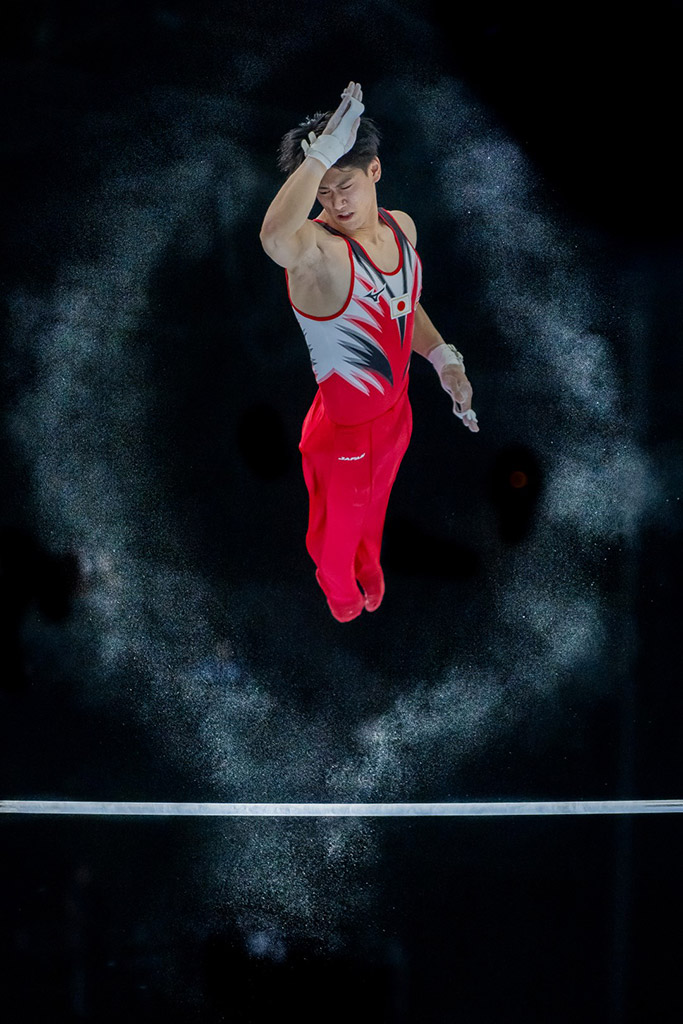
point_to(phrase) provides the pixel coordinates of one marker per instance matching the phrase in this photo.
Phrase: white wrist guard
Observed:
(445, 355)
(469, 415)
(328, 148)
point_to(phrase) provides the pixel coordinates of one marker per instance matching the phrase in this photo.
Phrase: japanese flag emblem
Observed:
(400, 305)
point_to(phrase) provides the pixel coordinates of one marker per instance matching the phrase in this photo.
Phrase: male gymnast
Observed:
(354, 280)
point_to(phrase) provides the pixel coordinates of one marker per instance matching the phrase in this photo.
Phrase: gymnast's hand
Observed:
(340, 123)
(340, 132)
(456, 384)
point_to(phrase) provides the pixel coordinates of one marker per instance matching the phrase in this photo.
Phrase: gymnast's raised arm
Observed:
(287, 235)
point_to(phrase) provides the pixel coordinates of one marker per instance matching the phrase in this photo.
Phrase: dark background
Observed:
(436, 921)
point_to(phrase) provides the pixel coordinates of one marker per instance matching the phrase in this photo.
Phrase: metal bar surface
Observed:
(339, 810)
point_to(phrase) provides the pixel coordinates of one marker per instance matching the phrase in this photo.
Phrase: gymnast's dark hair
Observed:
(363, 151)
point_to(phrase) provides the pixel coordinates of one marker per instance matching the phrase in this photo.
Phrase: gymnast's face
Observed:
(348, 196)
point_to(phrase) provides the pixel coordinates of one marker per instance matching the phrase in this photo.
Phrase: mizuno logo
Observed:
(350, 458)
(375, 295)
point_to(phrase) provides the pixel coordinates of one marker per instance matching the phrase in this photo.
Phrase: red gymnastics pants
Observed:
(349, 472)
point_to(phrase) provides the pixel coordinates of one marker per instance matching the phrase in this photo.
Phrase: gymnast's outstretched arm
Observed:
(445, 359)
(448, 363)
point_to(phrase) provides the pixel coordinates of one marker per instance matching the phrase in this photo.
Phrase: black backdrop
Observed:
(162, 634)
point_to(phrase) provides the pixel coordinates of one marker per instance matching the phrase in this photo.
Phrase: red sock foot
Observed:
(373, 588)
(343, 611)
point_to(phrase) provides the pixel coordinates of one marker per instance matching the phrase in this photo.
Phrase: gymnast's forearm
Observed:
(425, 335)
(449, 365)
(290, 208)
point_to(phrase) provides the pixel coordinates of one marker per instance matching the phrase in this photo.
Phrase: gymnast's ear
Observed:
(375, 169)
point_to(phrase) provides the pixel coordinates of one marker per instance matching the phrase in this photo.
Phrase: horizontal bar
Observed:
(332, 810)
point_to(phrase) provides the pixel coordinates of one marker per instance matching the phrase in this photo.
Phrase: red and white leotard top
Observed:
(361, 355)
